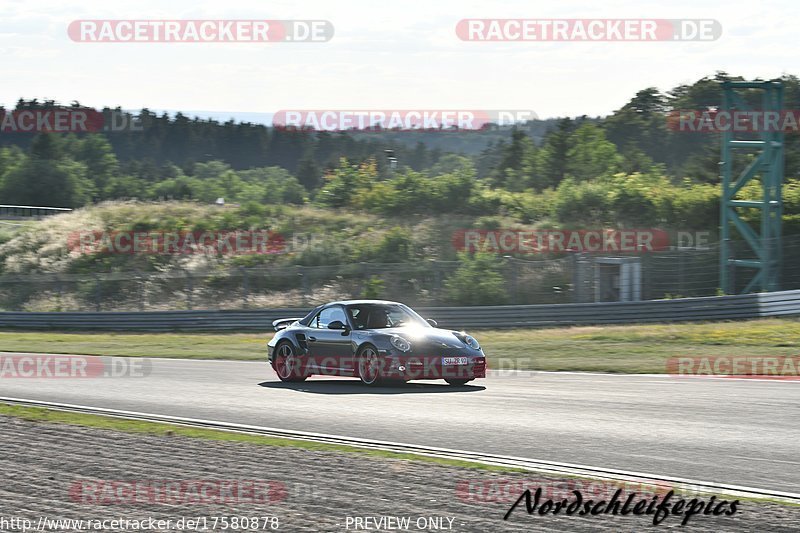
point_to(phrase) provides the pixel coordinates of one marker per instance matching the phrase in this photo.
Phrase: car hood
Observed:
(423, 337)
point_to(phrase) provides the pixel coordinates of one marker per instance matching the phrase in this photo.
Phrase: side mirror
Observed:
(337, 324)
(432, 322)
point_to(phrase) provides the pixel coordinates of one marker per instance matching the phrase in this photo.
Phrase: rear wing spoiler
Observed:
(283, 323)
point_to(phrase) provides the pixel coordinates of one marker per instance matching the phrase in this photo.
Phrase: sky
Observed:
(399, 55)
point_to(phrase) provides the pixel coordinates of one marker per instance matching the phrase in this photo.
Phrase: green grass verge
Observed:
(39, 414)
(631, 349)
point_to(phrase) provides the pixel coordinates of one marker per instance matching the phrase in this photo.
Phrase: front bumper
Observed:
(409, 367)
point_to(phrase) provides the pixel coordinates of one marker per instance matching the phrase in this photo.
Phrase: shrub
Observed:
(582, 203)
(373, 288)
(477, 281)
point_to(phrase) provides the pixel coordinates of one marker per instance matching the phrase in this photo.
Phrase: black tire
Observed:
(457, 382)
(287, 364)
(369, 366)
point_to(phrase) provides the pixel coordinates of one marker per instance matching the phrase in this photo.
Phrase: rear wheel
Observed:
(457, 381)
(369, 366)
(287, 364)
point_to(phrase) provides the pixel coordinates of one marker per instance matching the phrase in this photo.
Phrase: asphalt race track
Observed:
(734, 431)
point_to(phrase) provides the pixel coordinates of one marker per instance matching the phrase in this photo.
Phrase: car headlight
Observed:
(400, 343)
(471, 342)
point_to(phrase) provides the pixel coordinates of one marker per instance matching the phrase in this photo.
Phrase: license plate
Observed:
(449, 361)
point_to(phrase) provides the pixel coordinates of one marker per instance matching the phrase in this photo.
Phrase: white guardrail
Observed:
(783, 303)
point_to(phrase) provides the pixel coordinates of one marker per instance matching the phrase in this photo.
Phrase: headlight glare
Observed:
(400, 343)
(471, 342)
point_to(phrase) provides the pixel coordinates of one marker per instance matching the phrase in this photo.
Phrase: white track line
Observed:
(447, 453)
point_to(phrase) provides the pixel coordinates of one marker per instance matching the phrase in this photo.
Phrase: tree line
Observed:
(564, 170)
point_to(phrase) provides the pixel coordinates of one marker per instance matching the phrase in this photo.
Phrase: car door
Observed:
(330, 349)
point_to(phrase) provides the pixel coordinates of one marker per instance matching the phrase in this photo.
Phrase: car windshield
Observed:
(381, 316)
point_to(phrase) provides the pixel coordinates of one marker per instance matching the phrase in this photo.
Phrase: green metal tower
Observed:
(767, 167)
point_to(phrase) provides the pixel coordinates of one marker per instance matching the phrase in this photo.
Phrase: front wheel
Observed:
(287, 364)
(369, 366)
(457, 382)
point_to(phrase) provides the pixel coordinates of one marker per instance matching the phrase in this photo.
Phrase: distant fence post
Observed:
(437, 281)
(303, 284)
(576, 282)
(514, 282)
(98, 292)
(189, 289)
(60, 292)
(141, 283)
(647, 264)
(245, 287)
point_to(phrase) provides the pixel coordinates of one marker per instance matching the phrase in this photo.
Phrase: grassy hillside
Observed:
(314, 236)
